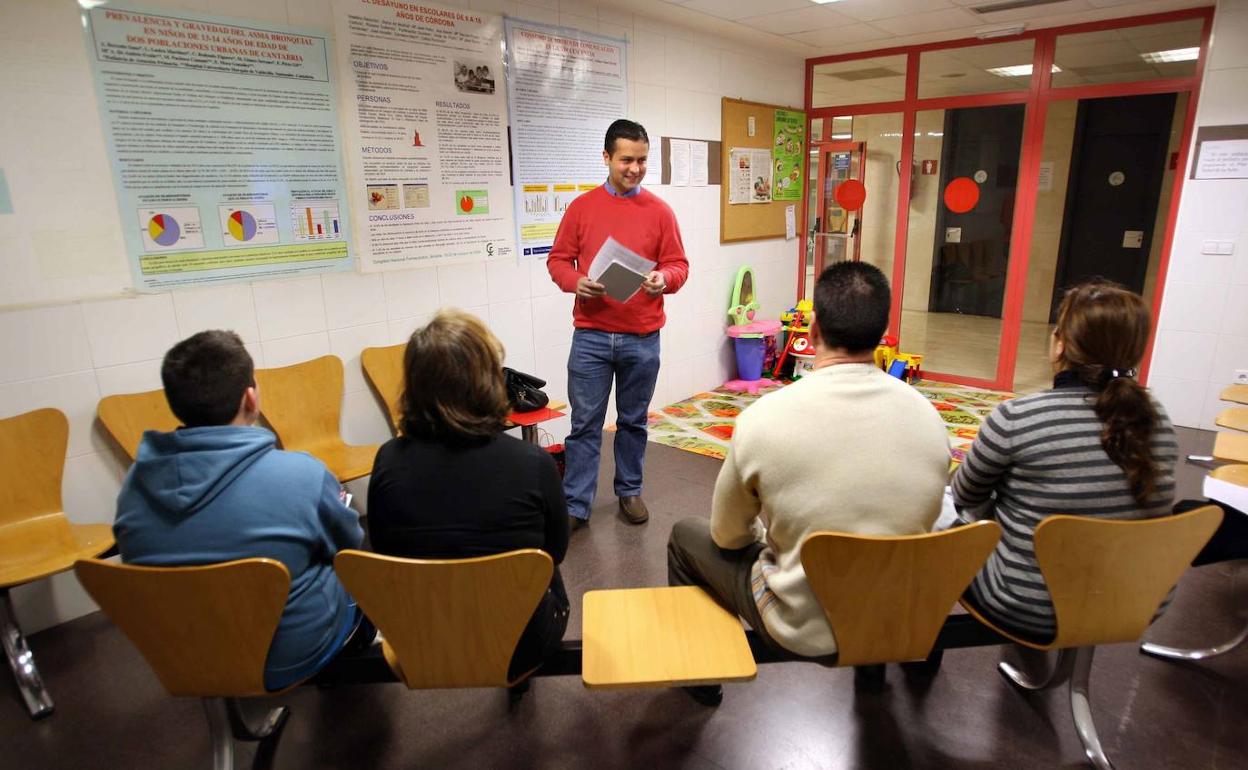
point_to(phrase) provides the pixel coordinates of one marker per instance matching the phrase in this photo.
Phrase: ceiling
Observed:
(803, 29)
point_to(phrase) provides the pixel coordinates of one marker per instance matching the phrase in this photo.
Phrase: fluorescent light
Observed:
(1001, 30)
(1018, 71)
(842, 136)
(1173, 55)
(824, 2)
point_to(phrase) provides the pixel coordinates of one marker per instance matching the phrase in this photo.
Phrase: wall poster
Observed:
(565, 88)
(223, 138)
(426, 133)
(788, 154)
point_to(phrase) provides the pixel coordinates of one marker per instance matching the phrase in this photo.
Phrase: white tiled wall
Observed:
(70, 356)
(1202, 334)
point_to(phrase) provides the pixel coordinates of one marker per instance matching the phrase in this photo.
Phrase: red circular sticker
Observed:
(850, 194)
(961, 195)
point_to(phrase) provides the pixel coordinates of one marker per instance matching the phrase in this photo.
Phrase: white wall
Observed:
(69, 356)
(1202, 334)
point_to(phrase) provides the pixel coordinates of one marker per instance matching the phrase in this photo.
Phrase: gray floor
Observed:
(112, 713)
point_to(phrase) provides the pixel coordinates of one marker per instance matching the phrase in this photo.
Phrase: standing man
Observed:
(615, 340)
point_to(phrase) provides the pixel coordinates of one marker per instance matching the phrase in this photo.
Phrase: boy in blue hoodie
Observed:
(216, 490)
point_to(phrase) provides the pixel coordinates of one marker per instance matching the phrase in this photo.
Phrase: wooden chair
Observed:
(36, 539)
(662, 637)
(887, 598)
(383, 368)
(1230, 447)
(1235, 418)
(1107, 579)
(1236, 393)
(128, 415)
(206, 632)
(303, 405)
(1234, 474)
(448, 623)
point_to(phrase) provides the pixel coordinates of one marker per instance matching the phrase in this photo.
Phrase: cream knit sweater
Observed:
(846, 449)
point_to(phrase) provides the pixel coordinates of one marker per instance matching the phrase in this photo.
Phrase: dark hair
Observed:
(205, 376)
(1103, 329)
(624, 129)
(851, 306)
(453, 389)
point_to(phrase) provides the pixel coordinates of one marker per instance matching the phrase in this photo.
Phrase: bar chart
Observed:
(316, 221)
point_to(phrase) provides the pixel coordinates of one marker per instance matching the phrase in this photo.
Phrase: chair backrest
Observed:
(303, 402)
(1107, 578)
(452, 623)
(1231, 447)
(32, 462)
(383, 367)
(887, 597)
(204, 630)
(1235, 418)
(1236, 393)
(126, 416)
(1233, 474)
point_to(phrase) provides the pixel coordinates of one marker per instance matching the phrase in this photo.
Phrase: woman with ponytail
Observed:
(1096, 444)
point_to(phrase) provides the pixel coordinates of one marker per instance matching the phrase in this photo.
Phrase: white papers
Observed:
(1226, 493)
(620, 269)
(699, 172)
(680, 162)
(740, 163)
(1223, 159)
(1045, 183)
(654, 165)
(790, 222)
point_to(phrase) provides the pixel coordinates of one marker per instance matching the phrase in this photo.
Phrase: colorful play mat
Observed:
(703, 423)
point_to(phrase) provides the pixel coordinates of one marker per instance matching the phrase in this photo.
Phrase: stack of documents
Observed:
(620, 269)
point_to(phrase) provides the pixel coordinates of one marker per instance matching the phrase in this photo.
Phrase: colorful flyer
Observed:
(788, 153)
(213, 127)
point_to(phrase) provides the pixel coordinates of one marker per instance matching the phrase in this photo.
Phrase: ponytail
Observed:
(1103, 331)
(1127, 423)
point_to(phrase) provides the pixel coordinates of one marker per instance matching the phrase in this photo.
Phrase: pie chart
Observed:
(242, 225)
(165, 231)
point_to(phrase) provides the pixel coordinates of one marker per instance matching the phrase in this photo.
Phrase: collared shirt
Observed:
(612, 190)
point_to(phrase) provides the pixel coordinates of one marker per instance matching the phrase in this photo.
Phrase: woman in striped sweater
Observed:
(1096, 444)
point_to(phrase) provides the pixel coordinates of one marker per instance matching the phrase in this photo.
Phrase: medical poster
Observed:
(788, 154)
(223, 137)
(565, 88)
(426, 133)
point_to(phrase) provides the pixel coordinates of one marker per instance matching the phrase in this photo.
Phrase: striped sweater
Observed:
(1037, 456)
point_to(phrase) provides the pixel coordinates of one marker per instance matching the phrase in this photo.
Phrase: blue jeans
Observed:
(596, 359)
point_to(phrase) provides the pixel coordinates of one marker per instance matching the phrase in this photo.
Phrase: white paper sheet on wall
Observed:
(680, 161)
(699, 170)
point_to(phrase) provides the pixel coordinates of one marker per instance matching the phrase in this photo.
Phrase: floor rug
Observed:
(703, 423)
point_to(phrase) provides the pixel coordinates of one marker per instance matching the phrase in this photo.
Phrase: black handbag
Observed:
(524, 391)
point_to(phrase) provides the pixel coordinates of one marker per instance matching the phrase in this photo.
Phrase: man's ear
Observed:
(815, 337)
(249, 408)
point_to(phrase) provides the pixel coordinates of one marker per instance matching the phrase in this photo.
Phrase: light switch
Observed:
(1226, 247)
(1209, 247)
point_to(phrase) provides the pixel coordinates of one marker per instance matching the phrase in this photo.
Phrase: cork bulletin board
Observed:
(750, 221)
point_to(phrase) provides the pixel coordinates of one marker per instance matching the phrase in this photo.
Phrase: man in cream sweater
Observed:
(846, 448)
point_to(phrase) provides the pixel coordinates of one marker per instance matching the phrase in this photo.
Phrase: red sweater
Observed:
(643, 223)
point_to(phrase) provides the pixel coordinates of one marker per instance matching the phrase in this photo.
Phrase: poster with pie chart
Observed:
(170, 229)
(249, 225)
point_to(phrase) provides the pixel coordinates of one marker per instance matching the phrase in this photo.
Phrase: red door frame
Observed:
(824, 148)
(1036, 97)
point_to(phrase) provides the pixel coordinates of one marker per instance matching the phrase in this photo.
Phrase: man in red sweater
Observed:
(615, 341)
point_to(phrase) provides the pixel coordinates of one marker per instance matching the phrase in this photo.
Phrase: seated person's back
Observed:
(1096, 444)
(454, 485)
(218, 490)
(847, 448)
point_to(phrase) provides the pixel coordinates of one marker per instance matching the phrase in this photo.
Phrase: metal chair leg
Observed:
(22, 662)
(1082, 710)
(1060, 673)
(1178, 653)
(219, 730)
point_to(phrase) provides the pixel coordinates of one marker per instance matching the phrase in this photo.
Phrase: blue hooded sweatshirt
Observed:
(219, 493)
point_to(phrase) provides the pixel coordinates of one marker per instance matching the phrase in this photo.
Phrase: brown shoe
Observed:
(634, 510)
